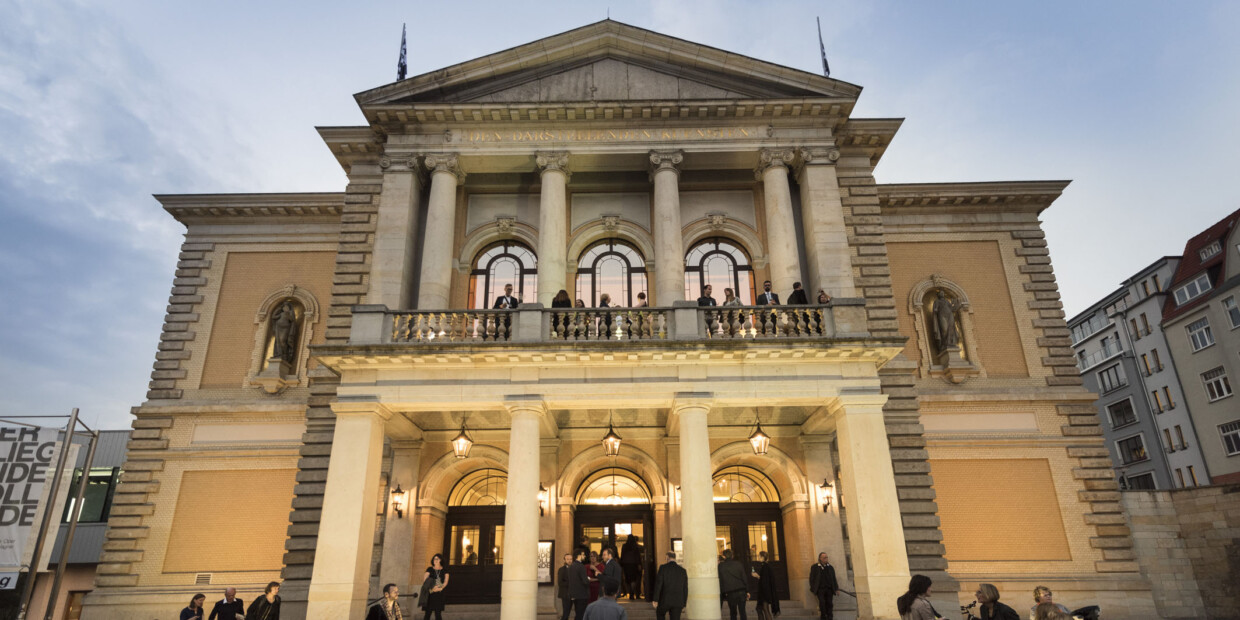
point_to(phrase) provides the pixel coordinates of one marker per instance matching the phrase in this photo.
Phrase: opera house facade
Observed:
(344, 388)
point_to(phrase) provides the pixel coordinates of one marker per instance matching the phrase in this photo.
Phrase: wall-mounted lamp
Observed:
(542, 500)
(398, 501)
(825, 491)
(462, 443)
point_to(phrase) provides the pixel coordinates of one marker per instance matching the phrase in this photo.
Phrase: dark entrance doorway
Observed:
(748, 521)
(474, 538)
(599, 527)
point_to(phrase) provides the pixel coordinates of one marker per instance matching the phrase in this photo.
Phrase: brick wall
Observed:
(1187, 542)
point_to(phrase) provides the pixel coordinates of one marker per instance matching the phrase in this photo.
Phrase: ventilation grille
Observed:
(202, 579)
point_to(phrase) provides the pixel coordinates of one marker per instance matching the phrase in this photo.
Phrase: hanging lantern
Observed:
(462, 443)
(760, 441)
(611, 442)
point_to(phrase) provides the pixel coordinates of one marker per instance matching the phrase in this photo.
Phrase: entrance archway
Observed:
(748, 520)
(614, 511)
(474, 536)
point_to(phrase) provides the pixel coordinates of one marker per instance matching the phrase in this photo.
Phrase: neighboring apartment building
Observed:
(1201, 321)
(1123, 356)
(88, 539)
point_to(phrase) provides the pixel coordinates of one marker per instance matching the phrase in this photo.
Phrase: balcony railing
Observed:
(684, 321)
(1099, 356)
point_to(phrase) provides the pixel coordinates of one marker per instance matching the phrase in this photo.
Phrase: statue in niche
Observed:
(284, 332)
(943, 321)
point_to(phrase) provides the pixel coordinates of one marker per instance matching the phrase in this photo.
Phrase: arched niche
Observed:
(952, 367)
(275, 377)
(587, 462)
(444, 474)
(778, 466)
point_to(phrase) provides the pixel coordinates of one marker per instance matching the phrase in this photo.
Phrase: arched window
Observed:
(738, 484)
(506, 262)
(484, 487)
(613, 487)
(614, 267)
(722, 264)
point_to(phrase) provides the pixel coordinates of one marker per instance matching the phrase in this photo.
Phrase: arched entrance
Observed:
(614, 510)
(474, 537)
(748, 521)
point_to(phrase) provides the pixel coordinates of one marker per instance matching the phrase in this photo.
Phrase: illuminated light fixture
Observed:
(462, 443)
(398, 501)
(760, 441)
(824, 494)
(542, 500)
(612, 441)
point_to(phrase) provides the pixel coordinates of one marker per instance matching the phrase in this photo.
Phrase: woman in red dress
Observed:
(593, 570)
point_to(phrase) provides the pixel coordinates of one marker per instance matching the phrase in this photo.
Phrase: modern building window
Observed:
(97, 500)
(1157, 361)
(1217, 385)
(1157, 284)
(1143, 482)
(722, 264)
(1136, 333)
(1088, 327)
(1210, 250)
(1122, 413)
(1179, 432)
(1156, 402)
(1231, 437)
(1145, 361)
(1167, 395)
(1233, 313)
(1167, 440)
(1111, 378)
(1179, 477)
(1199, 334)
(1192, 475)
(1145, 324)
(1131, 450)
(613, 267)
(1145, 288)
(1192, 290)
(506, 262)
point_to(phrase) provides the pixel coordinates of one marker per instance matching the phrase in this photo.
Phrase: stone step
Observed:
(790, 610)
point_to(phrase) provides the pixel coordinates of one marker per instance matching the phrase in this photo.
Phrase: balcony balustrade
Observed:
(684, 321)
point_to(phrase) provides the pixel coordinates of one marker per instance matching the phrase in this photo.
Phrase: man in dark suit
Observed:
(671, 589)
(611, 568)
(578, 585)
(563, 589)
(823, 584)
(767, 298)
(506, 301)
(228, 608)
(798, 298)
(706, 299)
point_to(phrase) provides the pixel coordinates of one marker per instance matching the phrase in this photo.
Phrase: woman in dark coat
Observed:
(436, 578)
(267, 606)
(768, 598)
(194, 611)
(991, 608)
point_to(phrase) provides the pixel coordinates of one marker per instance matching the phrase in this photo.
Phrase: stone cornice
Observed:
(940, 197)
(352, 145)
(185, 207)
(867, 136)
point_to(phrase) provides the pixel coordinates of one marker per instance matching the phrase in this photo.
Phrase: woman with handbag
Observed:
(433, 584)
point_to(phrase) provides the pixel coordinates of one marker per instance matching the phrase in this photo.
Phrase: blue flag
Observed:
(401, 67)
(826, 69)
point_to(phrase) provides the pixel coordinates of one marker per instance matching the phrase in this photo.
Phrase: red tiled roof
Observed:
(1191, 265)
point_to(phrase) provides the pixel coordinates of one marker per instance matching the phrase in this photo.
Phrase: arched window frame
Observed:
(470, 481)
(481, 297)
(740, 268)
(603, 474)
(631, 270)
(759, 480)
(271, 380)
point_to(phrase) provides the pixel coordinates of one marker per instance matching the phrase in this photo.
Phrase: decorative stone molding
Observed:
(592, 459)
(610, 222)
(399, 164)
(948, 364)
(444, 162)
(553, 160)
(278, 377)
(504, 225)
(717, 221)
(437, 483)
(732, 228)
(665, 160)
(624, 229)
(504, 228)
(816, 156)
(769, 158)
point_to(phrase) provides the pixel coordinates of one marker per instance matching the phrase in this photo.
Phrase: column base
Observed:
(876, 596)
(518, 599)
(333, 601)
(704, 602)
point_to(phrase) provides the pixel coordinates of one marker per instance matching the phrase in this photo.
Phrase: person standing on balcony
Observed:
(767, 298)
(562, 300)
(706, 299)
(506, 301)
(641, 301)
(797, 298)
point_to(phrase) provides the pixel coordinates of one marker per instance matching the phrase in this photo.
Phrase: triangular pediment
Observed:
(608, 61)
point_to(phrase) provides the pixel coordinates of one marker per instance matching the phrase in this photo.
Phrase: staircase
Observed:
(639, 610)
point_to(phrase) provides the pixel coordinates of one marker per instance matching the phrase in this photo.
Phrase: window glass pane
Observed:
(723, 539)
(1144, 481)
(743, 484)
(485, 487)
(596, 538)
(763, 536)
(464, 545)
(97, 500)
(497, 546)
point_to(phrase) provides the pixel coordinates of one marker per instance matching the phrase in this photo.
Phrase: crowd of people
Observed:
(915, 603)
(264, 607)
(798, 297)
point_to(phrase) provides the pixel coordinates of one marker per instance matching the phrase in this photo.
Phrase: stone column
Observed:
(669, 244)
(825, 528)
(822, 217)
(396, 231)
(437, 244)
(340, 579)
(396, 565)
(875, 530)
(698, 509)
(552, 225)
(781, 232)
(519, 590)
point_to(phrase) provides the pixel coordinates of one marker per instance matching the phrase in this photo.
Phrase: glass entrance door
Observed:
(474, 539)
(748, 529)
(630, 531)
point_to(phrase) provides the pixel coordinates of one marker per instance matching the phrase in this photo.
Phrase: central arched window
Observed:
(739, 484)
(722, 264)
(613, 487)
(506, 262)
(614, 267)
(484, 487)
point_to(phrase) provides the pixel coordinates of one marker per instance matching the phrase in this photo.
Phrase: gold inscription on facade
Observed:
(610, 135)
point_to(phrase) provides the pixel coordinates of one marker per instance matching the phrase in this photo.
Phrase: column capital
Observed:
(771, 158)
(692, 400)
(401, 163)
(665, 160)
(525, 404)
(444, 162)
(817, 155)
(553, 160)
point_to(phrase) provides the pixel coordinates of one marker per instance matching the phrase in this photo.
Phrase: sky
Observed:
(104, 104)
